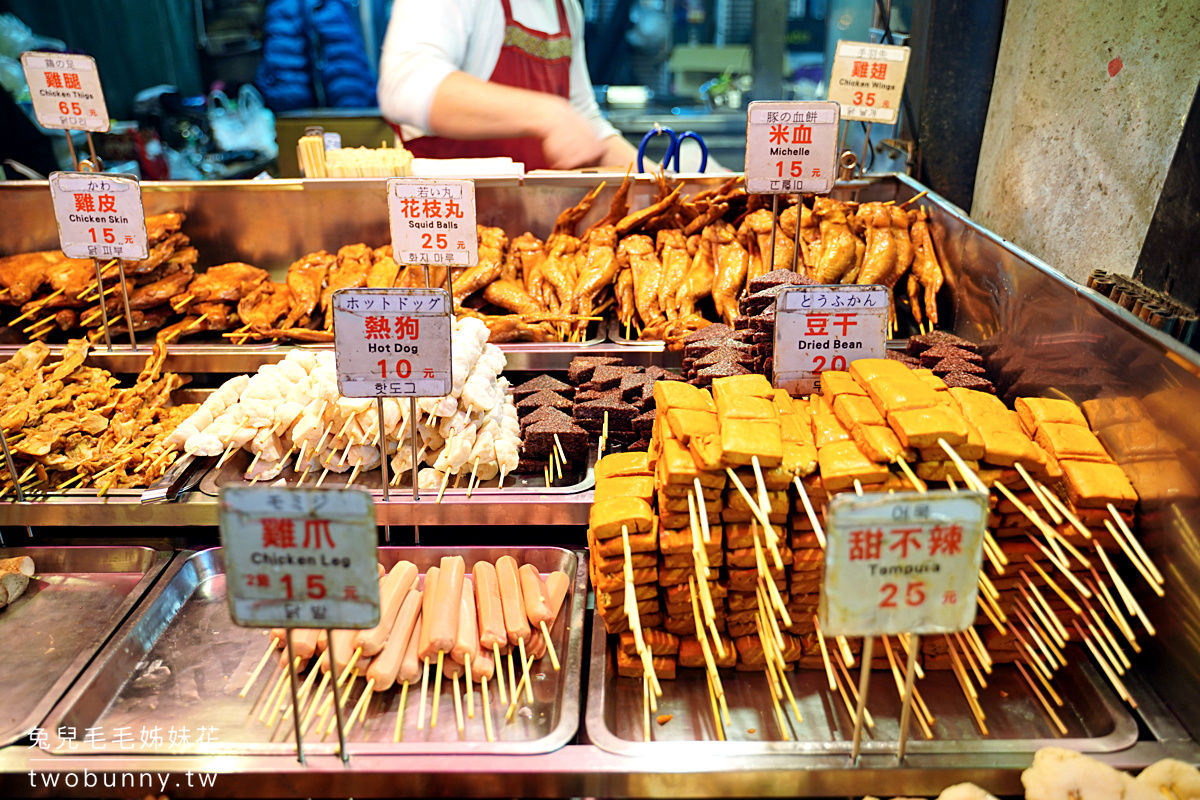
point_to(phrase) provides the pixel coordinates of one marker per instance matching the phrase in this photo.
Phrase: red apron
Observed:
(529, 59)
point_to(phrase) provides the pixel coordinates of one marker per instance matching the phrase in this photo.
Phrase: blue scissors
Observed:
(674, 145)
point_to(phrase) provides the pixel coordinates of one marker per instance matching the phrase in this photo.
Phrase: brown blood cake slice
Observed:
(608, 376)
(779, 277)
(596, 426)
(543, 398)
(957, 365)
(907, 360)
(595, 409)
(968, 381)
(581, 368)
(935, 354)
(587, 395)
(717, 329)
(631, 385)
(544, 414)
(540, 442)
(922, 342)
(543, 383)
(704, 377)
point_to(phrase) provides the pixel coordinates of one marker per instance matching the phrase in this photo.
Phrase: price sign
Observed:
(902, 563)
(820, 328)
(791, 147)
(99, 215)
(868, 80)
(392, 342)
(300, 558)
(433, 221)
(65, 90)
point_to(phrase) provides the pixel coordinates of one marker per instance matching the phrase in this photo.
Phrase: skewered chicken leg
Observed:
(732, 263)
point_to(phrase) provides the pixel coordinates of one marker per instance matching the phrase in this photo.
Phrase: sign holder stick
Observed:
(909, 680)
(91, 167)
(797, 264)
(91, 148)
(337, 707)
(864, 683)
(12, 471)
(412, 430)
(71, 150)
(383, 465)
(862, 162)
(295, 700)
(774, 229)
(125, 300)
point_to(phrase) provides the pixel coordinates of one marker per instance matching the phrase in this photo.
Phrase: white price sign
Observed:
(433, 221)
(868, 80)
(902, 563)
(99, 215)
(65, 90)
(791, 147)
(300, 558)
(392, 342)
(819, 328)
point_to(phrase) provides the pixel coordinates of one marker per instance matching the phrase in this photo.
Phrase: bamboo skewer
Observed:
(844, 672)
(487, 709)
(1116, 682)
(398, 732)
(1071, 604)
(1058, 723)
(1066, 512)
(1033, 487)
(499, 674)
(1134, 558)
(1130, 602)
(1137, 546)
(424, 694)
(271, 647)
(458, 711)
(262, 716)
(437, 690)
(901, 680)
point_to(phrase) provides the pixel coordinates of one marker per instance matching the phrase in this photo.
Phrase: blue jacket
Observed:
(314, 56)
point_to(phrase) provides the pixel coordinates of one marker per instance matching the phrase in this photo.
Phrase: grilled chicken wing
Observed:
(672, 251)
(511, 297)
(527, 252)
(758, 224)
(304, 281)
(349, 272)
(383, 270)
(925, 265)
(492, 243)
(266, 304)
(598, 273)
(624, 293)
(637, 253)
(837, 254)
(226, 283)
(698, 283)
(732, 263)
(880, 259)
(559, 285)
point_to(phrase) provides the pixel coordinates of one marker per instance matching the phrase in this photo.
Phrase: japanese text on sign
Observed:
(392, 342)
(300, 558)
(791, 147)
(99, 216)
(433, 222)
(868, 80)
(902, 563)
(819, 328)
(65, 90)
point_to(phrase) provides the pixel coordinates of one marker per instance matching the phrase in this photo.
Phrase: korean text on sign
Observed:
(65, 90)
(392, 342)
(99, 215)
(433, 221)
(902, 563)
(868, 80)
(791, 147)
(300, 558)
(819, 328)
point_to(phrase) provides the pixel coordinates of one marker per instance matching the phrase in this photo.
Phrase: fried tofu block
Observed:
(842, 462)
(625, 486)
(691, 653)
(677, 394)
(610, 582)
(827, 429)
(679, 505)
(865, 370)
(607, 517)
(743, 439)
(852, 410)
(1033, 411)
(735, 385)
(745, 407)
(799, 459)
(929, 379)
(795, 428)
(688, 422)
(976, 399)
(676, 464)
(973, 447)
(1105, 411)
(1159, 482)
(778, 501)
(612, 564)
(1091, 484)
(901, 394)
(660, 642)
(819, 405)
(1138, 441)
(939, 470)
(835, 382)
(646, 542)
(631, 666)
(878, 443)
(616, 464)
(922, 427)
(777, 479)
(1069, 441)
(783, 402)
(1005, 447)
(706, 451)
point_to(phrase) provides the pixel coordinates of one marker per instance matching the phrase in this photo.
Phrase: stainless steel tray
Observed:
(1095, 719)
(76, 599)
(180, 662)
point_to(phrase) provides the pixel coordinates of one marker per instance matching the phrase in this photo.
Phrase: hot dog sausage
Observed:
(466, 642)
(424, 650)
(386, 665)
(557, 585)
(489, 609)
(410, 665)
(533, 593)
(392, 591)
(483, 667)
(516, 624)
(444, 627)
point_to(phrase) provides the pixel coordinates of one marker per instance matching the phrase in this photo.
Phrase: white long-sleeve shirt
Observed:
(428, 39)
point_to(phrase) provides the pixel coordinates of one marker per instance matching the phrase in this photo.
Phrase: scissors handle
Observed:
(671, 146)
(699, 140)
